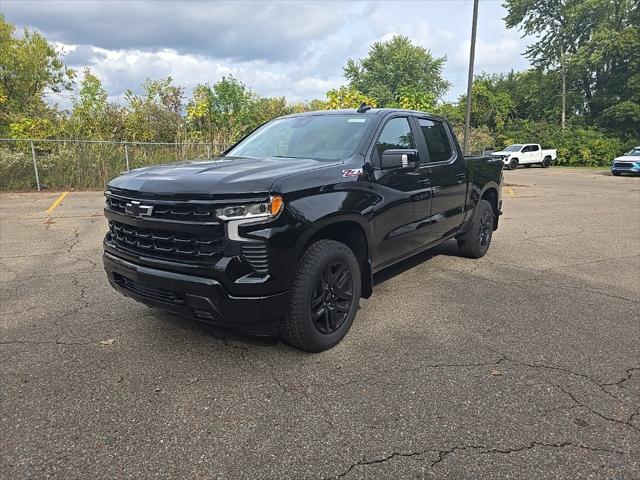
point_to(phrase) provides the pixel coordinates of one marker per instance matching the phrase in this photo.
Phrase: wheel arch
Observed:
(490, 194)
(351, 230)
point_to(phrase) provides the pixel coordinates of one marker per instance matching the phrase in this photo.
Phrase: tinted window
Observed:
(396, 134)
(437, 140)
(533, 148)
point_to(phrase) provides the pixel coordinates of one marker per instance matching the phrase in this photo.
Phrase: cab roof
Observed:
(370, 112)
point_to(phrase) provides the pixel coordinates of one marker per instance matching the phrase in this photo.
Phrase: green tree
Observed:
(347, 97)
(155, 116)
(224, 112)
(491, 106)
(89, 108)
(29, 68)
(394, 68)
(595, 47)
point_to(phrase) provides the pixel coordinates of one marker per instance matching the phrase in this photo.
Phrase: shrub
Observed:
(577, 146)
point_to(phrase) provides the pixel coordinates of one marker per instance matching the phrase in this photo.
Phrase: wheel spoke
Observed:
(327, 328)
(332, 320)
(317, 314)
(342, 308)
(337, 275)
(315, 302)
(342, 277)
(343, 294)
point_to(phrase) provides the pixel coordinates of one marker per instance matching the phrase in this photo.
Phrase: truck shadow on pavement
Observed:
(448, 248)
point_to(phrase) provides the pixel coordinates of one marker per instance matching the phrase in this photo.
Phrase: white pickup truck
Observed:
(526, 154)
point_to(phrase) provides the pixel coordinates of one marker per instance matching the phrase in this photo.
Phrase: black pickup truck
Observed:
(282, 234)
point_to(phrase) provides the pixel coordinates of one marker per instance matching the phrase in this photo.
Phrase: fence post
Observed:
(126, 155)
(35, 165)
(208, 151)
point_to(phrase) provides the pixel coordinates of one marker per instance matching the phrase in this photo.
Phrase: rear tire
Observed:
(324, 297)
(513, 164)
(546, 163)
(476, 241)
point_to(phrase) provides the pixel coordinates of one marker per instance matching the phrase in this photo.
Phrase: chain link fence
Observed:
(32, 164)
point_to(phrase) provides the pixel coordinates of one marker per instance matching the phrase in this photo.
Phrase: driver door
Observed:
(403, 196)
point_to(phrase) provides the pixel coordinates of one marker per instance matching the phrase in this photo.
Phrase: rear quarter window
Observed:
(438, 143)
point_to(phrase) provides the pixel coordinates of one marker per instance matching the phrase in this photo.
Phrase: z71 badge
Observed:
(351, 172)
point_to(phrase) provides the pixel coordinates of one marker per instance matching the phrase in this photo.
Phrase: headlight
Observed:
(265, 210)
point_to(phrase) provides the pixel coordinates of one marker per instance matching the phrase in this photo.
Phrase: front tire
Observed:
(324, 297)
(513, 164)
(475, 242)
(616, 174)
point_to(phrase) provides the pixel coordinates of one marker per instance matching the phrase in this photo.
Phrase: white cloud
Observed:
(289, 49)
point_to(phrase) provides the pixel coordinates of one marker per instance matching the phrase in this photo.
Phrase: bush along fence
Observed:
(33, 164)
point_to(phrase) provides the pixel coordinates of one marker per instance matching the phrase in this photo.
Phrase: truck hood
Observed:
(501, 154)
(219, 176)
(627, 158)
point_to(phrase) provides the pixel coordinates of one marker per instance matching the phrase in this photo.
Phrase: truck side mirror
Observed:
(398, 158)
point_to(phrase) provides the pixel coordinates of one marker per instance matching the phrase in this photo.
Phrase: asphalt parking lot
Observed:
(523, 364)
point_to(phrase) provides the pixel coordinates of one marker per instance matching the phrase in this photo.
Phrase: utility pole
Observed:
(563, 118)
(472, 55)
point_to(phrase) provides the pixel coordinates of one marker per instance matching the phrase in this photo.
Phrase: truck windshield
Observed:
(513, 148)
(634, 152)
(321, 137)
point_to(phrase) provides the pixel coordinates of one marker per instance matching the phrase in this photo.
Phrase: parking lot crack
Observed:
(629, 374)
(76, 240)
(551, 445)
(599, 385)
(45, 342)
(483, 449)
(363, 462)
(626, 423)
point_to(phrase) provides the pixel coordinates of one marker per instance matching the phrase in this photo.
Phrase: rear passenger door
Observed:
(448, 175)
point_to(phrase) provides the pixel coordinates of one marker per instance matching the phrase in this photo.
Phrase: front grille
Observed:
(164, 296)
(256, 255)
(623, 164)
(172, 245)
(166, 210)
(179, 230)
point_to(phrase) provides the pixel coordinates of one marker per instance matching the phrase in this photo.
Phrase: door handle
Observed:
(461, 177)
(425, 181)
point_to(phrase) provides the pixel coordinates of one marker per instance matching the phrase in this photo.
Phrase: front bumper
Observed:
(199, 298)
(626, 168)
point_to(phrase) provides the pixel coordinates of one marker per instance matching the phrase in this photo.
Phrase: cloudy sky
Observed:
(278, 48)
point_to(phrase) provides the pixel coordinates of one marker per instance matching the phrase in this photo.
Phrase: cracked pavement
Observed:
(523, 364)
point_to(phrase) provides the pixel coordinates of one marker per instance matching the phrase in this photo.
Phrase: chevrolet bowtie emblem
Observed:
(134, 209)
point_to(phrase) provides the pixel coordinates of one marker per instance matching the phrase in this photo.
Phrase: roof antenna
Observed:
(363, 108)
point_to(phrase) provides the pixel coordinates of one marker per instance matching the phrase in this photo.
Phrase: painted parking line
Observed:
(57, 202)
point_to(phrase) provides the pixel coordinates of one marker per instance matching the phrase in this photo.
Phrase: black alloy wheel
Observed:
(486, 228)
(332, 298)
